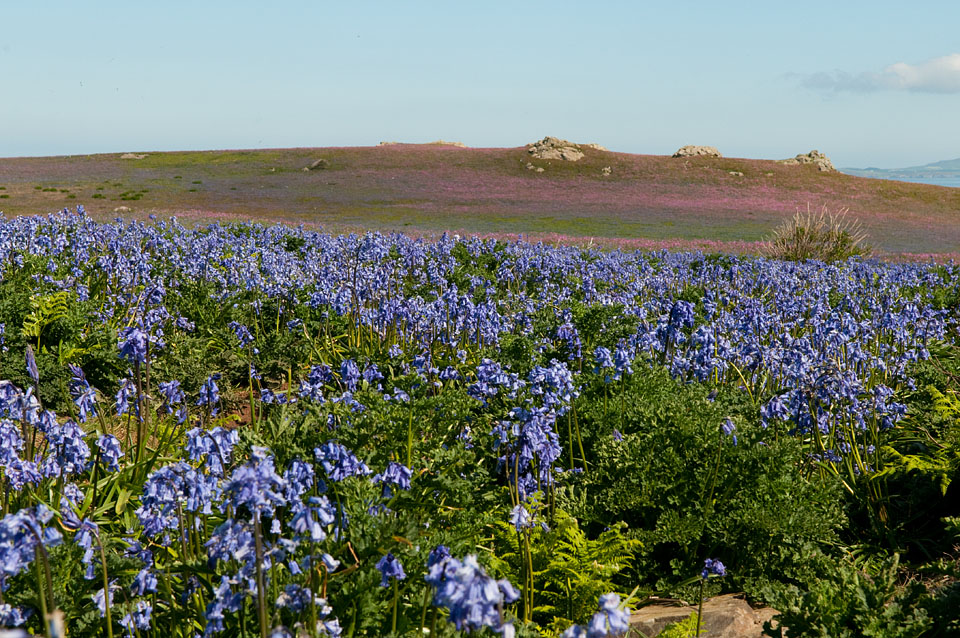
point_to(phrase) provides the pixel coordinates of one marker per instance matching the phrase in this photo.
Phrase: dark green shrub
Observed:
(848, 603)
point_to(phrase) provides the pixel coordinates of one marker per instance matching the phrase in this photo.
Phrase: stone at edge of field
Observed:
(693, 150)
(727, 616)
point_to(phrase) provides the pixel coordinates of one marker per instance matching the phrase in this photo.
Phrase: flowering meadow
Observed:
(241, 430)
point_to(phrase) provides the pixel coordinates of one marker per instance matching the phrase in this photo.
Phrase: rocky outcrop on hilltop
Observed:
(692, 150)
(815, 157)
(553, 148)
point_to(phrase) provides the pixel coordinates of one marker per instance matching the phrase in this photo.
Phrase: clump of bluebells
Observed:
(264, 431)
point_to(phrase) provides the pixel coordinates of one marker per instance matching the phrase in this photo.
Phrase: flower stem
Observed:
(261, 593)
(106, 589)
(700, 608)
(396, 600)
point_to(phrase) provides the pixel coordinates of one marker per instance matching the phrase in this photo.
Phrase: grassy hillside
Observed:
(430, 188)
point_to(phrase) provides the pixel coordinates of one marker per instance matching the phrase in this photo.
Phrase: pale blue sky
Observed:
(765, 80)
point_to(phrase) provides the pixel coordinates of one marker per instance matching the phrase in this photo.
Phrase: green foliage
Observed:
(570, 569)
(44, 310)
(683, 629)
(849, 603)
(825, 236)
(689, 493)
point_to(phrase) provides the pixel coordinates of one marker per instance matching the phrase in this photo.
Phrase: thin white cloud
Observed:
(939, 75)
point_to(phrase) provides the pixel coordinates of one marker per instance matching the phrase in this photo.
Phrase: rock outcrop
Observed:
(724, 616)
(133, 156)
(317, 165)
(692, 150)
(531, 167)
(815, 157)
(446, 143)
(553, 148)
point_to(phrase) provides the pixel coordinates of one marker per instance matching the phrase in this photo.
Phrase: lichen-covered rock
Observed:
(724, 616)
(553, 148)
(815, 157)
(692, 150)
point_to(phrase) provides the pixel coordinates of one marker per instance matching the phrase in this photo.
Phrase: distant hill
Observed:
(603, 196)
(943, 169)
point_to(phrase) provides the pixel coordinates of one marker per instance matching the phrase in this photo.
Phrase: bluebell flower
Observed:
(11, 616)
(103, 597)
(210, 393)
(172, 395)
(255, 484)
(574, 631)
(330, 563)
(242, 333)
(622, 362)
(396, 474)
(138, 618)
(603, 357)
(110, 451)
(712, 567)
(126, 392)
(133, 343)
(474, 599)
(213, 448)
(449, 374)
(297, 598)
(144, 582)
(611, 620)
(338, 462)
(520, 518)
(32, 365)
(349, 374)
(311, 518)
(371, 374)
(730, 429)
(84, 396)
(390, 569)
